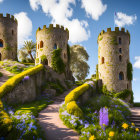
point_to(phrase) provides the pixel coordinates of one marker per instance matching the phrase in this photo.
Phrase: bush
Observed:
(37, 60)
(12, 82)
(74, 109)
(74, 94)
(124, 94)
(43, 58)
(57, 63)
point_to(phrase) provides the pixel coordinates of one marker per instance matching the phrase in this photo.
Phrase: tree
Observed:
(22, 55)
(30, 48)
(78, 62)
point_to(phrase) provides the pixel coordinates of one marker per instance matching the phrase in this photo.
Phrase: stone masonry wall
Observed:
(27, 90)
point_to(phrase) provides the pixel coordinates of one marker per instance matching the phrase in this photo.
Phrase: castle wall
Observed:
(51, 36)
(8, 37)
(113, 56)
(28, 90)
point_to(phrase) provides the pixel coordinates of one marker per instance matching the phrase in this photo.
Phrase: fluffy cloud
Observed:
(1, 1)
(94, 8)
(137, 63)
(122, 19)
(61, 13)
(24, 27)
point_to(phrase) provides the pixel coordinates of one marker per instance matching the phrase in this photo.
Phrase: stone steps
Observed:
(135, 117)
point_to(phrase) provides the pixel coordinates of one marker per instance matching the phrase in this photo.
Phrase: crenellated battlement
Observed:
(9, 17)
(115, 31)
(51, 27)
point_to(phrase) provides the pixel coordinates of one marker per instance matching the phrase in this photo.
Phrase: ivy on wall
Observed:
(43, 58)
(68, 52)
(97, 73)
(57, 63)
(129, 71)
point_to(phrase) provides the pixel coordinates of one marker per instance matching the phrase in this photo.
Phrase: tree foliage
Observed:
(27, 52)
(78, 62)
(129, 71)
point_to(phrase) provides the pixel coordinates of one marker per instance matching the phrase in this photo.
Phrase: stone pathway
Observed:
(135, 117)
(5, 77)
(52, 125)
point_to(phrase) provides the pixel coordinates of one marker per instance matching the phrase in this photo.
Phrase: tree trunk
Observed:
(31, 57)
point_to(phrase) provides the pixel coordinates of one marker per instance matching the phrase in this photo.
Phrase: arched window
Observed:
(120, 40)
(120, 58)
(0, 56)
(41, 44)
(1, 43)
(38, 46)
(12, 32)
(37, 54)
(103, 60)
(55, 46)
(121, 76)
(120, 50)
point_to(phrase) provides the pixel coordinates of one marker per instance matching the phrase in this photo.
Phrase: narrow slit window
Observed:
(1, 43)
(120, 58)
(120, 50)
(120, 40)
(103, 60)
(41, 44)
(55, 46)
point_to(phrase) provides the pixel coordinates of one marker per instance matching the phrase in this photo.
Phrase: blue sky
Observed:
(85, 19)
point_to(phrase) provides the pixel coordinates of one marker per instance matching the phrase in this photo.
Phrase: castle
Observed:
(113, 50)
(113, 58)
(8, 37)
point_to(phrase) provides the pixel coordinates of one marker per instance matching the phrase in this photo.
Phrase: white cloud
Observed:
(24, 27)
(1, 1)
(94, 8)
(61, 13)
(122, 19)
(137, 63)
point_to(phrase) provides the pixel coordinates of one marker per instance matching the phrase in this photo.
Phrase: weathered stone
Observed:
(50, 92)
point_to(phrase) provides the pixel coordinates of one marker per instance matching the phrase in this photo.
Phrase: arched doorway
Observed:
(46, 62)
(1, 43)
(0, 56)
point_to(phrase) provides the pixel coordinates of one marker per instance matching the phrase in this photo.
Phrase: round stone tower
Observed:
(113, 57)
(50, 39)
(8, 37)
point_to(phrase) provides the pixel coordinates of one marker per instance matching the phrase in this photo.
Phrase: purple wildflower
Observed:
(25, 78)
(103, 117)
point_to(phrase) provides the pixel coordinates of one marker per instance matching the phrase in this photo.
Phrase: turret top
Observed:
(8, 16)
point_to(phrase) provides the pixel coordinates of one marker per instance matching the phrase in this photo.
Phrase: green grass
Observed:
(26, 114)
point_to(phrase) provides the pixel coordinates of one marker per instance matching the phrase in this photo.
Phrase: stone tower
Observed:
(8, 37)
(113, 57)
(49, 39)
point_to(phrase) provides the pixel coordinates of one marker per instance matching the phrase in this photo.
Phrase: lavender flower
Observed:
(103, 117)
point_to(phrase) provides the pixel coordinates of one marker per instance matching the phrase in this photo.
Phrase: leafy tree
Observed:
(29, 48)
(78, 62)
(22, 55)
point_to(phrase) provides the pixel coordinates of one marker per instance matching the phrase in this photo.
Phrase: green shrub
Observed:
(37, 60)
(43, 58)
(124, 94)
(129, 71)
(79, 83)
(97, 73)
(74, 109)
(74, 94)
(136, 104)
(5, 123)
(1, 74)
(57, 63)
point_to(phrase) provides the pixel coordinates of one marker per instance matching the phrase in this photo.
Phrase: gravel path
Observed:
(52, 125)
(5, 77)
